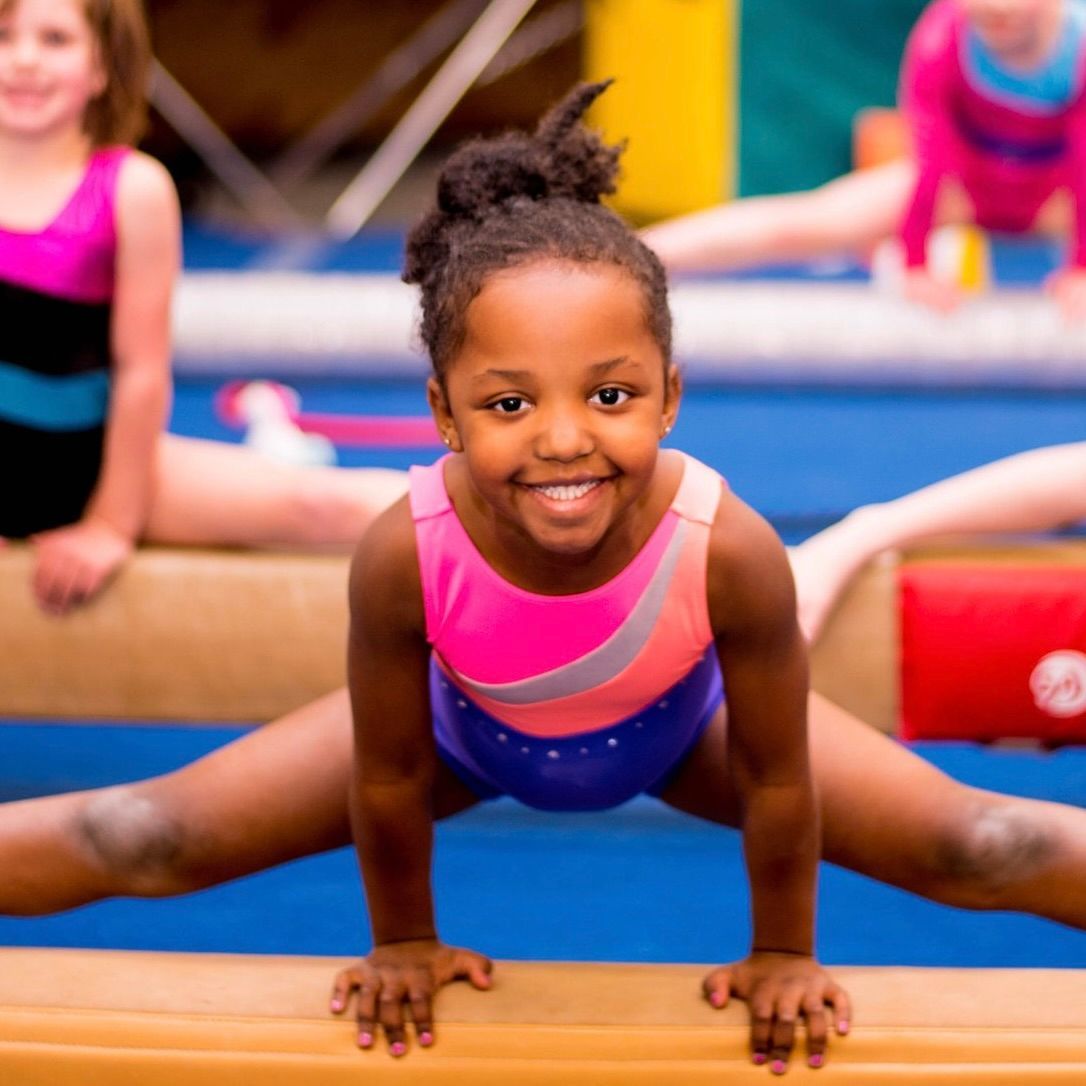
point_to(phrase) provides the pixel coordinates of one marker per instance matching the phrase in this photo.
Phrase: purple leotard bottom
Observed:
(589, 771)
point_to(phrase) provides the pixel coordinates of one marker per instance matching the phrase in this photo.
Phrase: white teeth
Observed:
(568, 493)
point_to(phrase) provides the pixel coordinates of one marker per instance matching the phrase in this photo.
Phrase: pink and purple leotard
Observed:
(1010, 138)
(569, 702)
(56, 290)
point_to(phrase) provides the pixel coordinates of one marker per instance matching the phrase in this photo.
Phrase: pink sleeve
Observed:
(928, 71)
(1076, 164)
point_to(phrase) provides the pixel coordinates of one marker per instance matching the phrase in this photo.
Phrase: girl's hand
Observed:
(923, 288)
(1068, 288)
(74, 562)
(779, 988)
(399, 974)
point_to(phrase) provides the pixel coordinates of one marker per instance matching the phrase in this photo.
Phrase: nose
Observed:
(23, 50)
(564, 434)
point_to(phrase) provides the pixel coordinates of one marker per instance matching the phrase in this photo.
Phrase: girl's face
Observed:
(1013, 27)
(558, 400)
(49, 67)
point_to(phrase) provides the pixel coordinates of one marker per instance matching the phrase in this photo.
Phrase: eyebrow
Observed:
(597, 369)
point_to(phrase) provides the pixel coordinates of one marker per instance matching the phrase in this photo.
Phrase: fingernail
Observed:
(842, 1026)
(426, 1037)
(759, 1058)
(365, 1039)
(716, 999)
(778, 1067)
(397, 1048)
(816, 1060)
(337, 1005)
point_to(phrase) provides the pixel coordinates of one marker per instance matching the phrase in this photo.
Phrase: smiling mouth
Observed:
(23, 96)
(569, 493)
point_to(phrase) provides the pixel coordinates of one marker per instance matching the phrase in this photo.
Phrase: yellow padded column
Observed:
(674, 100)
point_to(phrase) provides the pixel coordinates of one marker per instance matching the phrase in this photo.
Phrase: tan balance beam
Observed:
(194, 635)
(205, 635)
(86, 1017)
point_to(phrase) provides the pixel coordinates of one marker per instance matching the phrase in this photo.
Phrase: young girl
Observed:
(89, 249)
(550, 615)
(617, 577)
(995, 93)
(1036, 491)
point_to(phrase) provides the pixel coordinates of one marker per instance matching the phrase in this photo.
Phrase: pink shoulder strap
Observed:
(428, 495)
(91, 208)
(699, 492)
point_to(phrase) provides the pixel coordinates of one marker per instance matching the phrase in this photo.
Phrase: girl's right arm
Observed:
(391, 793)
(925, 100)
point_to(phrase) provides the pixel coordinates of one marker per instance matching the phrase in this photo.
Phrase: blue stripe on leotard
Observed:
(77, 401)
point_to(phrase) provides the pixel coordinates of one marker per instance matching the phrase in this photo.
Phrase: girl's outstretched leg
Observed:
(277, 793)
(209, 493)
(890, 815)
(849, 215)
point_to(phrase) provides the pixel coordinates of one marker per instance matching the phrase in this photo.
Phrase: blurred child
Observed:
(89, 254)
(994, 93)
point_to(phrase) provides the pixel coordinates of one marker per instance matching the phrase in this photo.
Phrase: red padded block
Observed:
(993, 652)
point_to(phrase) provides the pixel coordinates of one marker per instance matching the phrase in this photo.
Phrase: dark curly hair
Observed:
(519, 198)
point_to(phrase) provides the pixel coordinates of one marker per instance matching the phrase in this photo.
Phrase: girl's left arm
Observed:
(148, 262)
(74, 562)
(763, 660)
(1068, 285)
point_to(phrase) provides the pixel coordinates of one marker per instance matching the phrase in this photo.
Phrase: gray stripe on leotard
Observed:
(605, 661)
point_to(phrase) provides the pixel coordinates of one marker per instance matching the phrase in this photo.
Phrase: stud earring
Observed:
(447, 440)
(667, 430)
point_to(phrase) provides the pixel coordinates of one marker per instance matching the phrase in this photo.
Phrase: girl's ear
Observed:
(439, 407)
(673, 391)
(100, 75)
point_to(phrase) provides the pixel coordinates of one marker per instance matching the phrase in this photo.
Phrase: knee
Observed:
(331, 506)
(136, 842)
(992, 845)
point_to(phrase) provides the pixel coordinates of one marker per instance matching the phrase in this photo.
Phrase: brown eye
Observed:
(509, 405)
(611, 397)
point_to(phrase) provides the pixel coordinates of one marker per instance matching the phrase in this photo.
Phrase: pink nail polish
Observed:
(365, 1039)
(426, 1037)
(759, 1058)
(716, 999)
(778, 1067)
(842, 1026)
(337, 1006)
(816, 1060)
(397, 1048)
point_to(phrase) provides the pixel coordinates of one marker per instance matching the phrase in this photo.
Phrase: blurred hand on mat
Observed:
(781, 988)
(1068, 288)
(399, 977)
(923, 288)
(74, 563)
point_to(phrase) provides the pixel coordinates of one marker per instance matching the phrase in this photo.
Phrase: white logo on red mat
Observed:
(1058, 683)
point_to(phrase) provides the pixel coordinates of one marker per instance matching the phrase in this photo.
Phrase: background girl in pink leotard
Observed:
(89, 254)
(994, 93)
